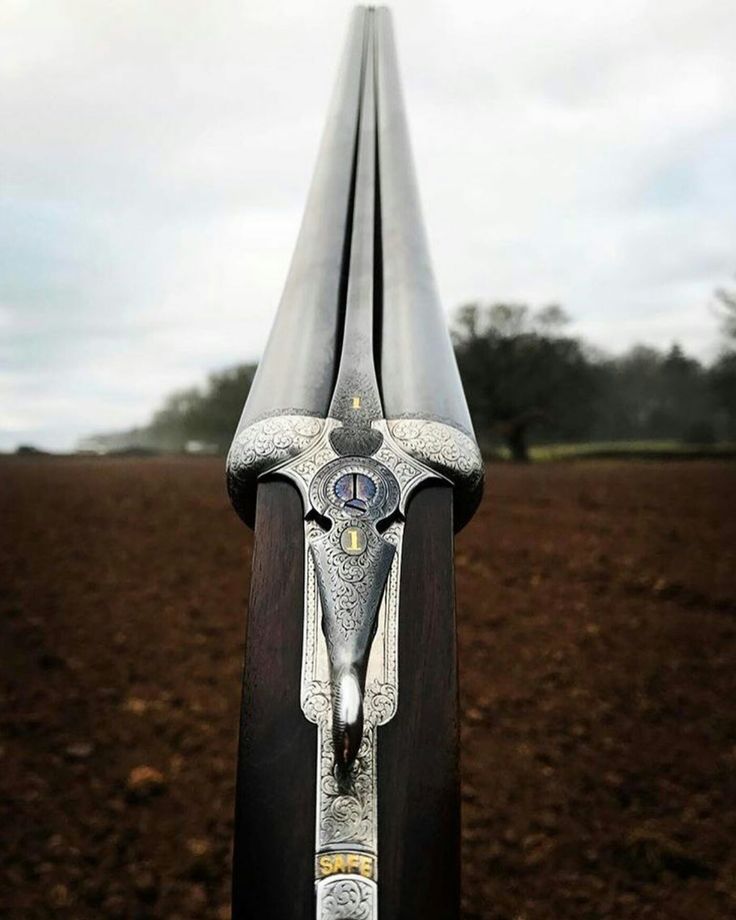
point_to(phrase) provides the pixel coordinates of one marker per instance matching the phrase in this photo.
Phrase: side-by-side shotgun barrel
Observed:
(355, 458)
(419, 374)
(297, 370)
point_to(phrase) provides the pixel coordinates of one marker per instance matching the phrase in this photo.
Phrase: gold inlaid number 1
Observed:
(356, 402)
(353, 540)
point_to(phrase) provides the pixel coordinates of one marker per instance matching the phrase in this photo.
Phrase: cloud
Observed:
(156, 157)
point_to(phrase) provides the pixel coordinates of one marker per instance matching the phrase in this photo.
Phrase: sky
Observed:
(155, 158)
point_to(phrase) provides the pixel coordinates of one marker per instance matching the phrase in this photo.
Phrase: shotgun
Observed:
(354, 459)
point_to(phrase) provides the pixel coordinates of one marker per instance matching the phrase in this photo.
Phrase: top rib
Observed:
(356, 400)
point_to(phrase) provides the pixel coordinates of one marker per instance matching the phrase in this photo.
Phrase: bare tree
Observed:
(726, 308)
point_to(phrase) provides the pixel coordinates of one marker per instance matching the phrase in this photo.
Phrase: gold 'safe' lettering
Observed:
(346, 864)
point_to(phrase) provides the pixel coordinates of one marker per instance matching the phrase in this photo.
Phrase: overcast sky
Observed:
(155, 158)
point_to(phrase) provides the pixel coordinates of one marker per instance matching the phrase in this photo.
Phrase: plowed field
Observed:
(597, 612)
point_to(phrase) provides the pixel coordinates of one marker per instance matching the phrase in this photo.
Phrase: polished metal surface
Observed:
(357, 437)
(419, 375)
(298, 367)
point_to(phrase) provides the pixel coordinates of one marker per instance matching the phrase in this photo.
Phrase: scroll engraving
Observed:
(265, 444)
(346, 898)
(444, 448)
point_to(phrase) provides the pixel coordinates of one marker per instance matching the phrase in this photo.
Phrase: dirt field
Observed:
(597, 610)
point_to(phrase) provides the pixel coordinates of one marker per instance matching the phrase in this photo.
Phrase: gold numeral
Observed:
(353, 541)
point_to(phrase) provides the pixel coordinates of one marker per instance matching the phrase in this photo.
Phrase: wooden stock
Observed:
(418, 788)
(273, 855)
(418, 774)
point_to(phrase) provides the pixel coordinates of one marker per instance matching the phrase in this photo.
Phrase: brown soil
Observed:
(597, 611)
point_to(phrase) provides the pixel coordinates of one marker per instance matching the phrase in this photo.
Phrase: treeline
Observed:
(527, 381)
(196, 419)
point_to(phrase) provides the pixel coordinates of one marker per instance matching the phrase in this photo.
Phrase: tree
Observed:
(722, 382)
(520, 371)
(722, 374)
(726, 306)
(209, 415)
